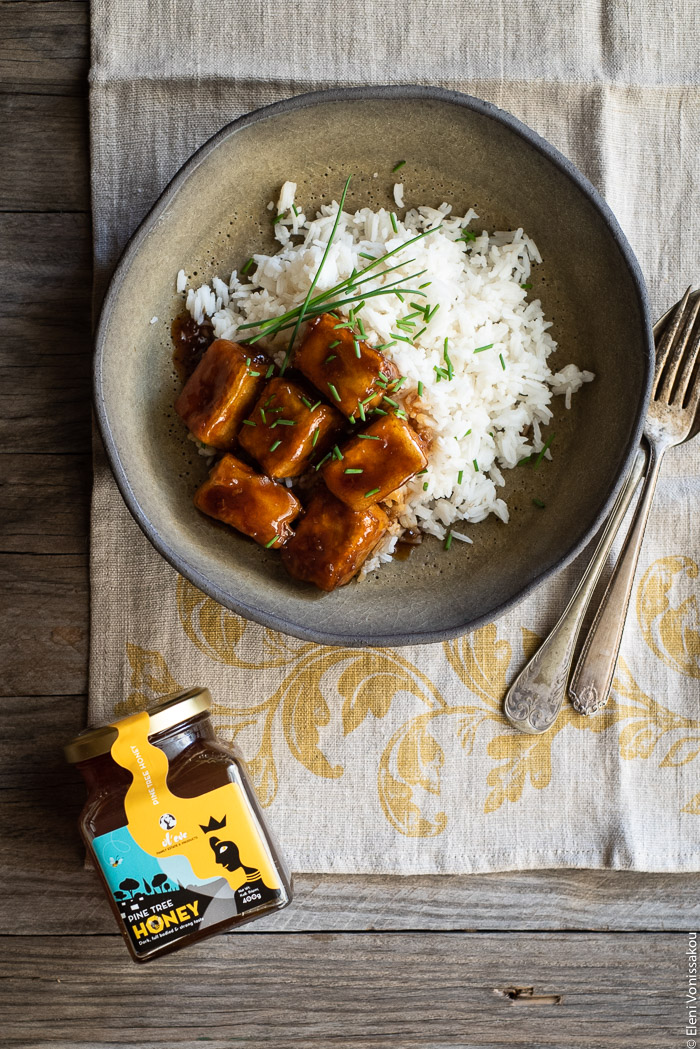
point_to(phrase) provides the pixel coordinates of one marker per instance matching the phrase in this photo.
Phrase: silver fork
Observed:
(670, 420)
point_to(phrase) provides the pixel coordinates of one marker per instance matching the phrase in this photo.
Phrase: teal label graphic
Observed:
(161, 900)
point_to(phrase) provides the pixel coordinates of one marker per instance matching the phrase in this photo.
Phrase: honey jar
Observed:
(174, 828)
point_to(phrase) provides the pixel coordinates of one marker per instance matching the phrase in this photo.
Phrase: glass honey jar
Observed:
(174, 828)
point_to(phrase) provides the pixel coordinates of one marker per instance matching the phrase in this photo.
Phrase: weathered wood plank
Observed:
(47, 804)
(45, 273)
(44, 48)
(43, 623)
(44, 503)
(45, 153)
(368, 990)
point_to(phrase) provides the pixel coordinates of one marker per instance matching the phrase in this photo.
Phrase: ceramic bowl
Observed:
(214, 215)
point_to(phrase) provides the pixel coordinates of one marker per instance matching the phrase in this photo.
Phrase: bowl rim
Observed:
(309, 99)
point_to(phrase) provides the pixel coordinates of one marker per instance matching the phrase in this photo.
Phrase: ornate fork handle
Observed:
(534, 699)
(593, 677)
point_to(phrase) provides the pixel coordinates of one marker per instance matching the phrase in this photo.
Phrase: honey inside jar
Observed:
(174, 827)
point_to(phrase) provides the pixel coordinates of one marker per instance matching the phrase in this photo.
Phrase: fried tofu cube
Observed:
(249, 502)
(375, 462)
(332, 542)
(350, 374)
(221, 391)
(288, 426)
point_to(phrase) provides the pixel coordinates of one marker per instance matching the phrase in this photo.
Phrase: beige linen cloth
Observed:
(399, 761)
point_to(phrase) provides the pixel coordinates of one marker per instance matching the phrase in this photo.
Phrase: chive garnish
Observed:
(538, 503)
(503, 363)
(361, 328)
(286, 422)
(248, 266)
(393, 223)
(368, 436)
(337, 454)
(247, 362)
(372, 491)
(354, 471)
(425, 486)
(314, 406)
(351, 420)
(421, 472)
(333, 390)
(302, 311)
(322, 461)
(364, 255)
(269, 371)
(385, 346)
(467, 236)
(380, 411)
(448, 541)
(399, 296)
(314, 439)
(448, 362)
(420, 389)
(540, 456)
(394, 404)
(397, 167)
(480, 349)
(358, 351)
(332, 345)
(274, 446)
(248, 422)
(330, 358)
(254, 374)
(361, 411)
(272, 542)
(306, 402)
(466, 434)
(476, 465)
(278, 219)
(526, 460)
(398, 383)
(526, 287)
(460, 475)
(263, 416)
(427, 283)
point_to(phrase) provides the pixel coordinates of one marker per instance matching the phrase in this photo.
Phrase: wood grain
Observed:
(365, 990)
(44, 49)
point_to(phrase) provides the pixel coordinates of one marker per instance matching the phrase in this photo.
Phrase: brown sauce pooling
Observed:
(410, 539)
(190, 341)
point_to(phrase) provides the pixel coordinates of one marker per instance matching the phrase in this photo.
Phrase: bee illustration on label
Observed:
(114, 861)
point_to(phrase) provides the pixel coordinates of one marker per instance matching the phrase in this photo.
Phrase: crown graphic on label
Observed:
(213, 825)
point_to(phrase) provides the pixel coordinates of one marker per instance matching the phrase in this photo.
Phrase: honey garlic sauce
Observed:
(190, 341)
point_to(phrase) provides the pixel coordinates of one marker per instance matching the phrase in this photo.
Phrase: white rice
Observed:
(491, 414)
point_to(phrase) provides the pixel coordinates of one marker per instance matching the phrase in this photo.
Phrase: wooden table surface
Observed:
(564, 959)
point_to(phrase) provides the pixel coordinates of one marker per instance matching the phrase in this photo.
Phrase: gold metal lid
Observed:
(170, 711)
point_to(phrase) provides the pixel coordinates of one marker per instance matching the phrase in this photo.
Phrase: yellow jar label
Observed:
(180, 865)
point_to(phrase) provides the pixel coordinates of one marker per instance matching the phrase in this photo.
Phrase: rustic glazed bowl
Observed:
(214, 215)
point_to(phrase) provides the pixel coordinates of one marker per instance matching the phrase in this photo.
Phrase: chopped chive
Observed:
(399, 296)
(343, 324)
(248, 422)
(420, 389)
(269, 401)
(314, 439)
(526, 460)
(401, 338)
(480, 349)
(398, 383)
(275, 446)
(272, 542)
(322, 461)
(448, 362)
(286, 422)
(421, 472)
(426, 285)
(278, 219)
(398, 166)
(358, 351)
(503, 363)
(247, 362)
(354, 471)
(248, 266)
(351, 420)
(269, 371)
(364, 255)
(329, 359)
(333, 390)
(460, 475)
(306, 402)
(425, 486)
(540, 456)
(332, 345)
(526, 287)
(467, 236)
(337, 454)
(368, 436)
(382, 376)
(394, 404)
(400, 413)
(314, 406)
(254, 374)
(263, 416)
(380, 411)
(448, 541)
(417, 336)
(361, 328)
(393, 223)
(372, 491)
(295, 209)
(385, 346)
(361, 412)
(476, 465)
(467, 433)
(538, 503)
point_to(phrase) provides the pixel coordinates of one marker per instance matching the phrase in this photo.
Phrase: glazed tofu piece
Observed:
(332, 542)
(221, 391)
(249, 502)
(288, 426)
(375, 462)
(328, 357)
